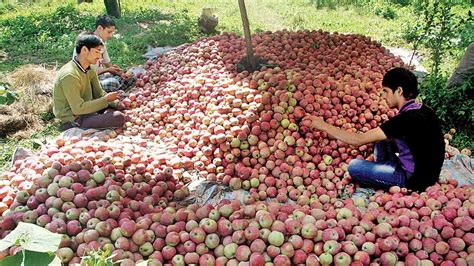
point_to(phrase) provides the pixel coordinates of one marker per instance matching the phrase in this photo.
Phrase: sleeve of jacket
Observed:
(97, 90)
(71, 87)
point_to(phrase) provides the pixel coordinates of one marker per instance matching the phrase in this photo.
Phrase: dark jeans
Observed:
(385, 172)
(99, 120)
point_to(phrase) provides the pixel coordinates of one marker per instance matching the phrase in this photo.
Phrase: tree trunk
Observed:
(248, 37)
(465, 70)
(113, 8)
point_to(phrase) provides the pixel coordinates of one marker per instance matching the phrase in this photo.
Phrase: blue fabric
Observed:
(385, 172)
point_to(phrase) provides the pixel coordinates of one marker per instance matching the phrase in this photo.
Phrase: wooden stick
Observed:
(248, 37)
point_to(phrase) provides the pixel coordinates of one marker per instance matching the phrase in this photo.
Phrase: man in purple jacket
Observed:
(409, 148)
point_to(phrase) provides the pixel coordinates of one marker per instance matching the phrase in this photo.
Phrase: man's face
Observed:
(106, 33)
(390, 97)
(94, 54)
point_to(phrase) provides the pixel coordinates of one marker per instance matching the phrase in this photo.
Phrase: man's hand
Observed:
(112, 96)
(115, 70)
(126, 75)
(306, 121)
(118, 69)
(120, 106)
(313, 122)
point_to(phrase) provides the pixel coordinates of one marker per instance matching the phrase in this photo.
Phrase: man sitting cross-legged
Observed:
(79, 100)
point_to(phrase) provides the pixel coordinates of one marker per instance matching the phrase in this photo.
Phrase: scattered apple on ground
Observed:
(248, 131)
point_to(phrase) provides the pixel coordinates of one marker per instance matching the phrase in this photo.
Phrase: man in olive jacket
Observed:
(79, 100)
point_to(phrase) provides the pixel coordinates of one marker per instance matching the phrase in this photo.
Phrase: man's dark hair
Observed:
(89, 40)
(401, 77)
(104, 21)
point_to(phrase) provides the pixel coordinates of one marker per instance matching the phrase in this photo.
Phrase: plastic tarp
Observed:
(461, 168)
(203, 192)
(154, 52)
(85, 133)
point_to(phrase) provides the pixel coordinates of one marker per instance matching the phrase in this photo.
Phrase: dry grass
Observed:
(5, 110)
(15, 118)
(34, 84)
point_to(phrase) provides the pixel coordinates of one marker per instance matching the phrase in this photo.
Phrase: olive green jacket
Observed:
(77, 91)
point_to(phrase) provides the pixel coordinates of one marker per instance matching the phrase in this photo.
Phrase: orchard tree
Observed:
(112, 6)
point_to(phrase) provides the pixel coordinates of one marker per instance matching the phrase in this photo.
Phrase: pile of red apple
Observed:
(246, 130)
(89, 164)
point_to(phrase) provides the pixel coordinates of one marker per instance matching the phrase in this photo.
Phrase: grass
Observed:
(43, 32)
(8, 145)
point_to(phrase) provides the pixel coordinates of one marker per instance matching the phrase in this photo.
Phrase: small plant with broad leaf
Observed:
(7, 96)
(98, 258)
(37, 246)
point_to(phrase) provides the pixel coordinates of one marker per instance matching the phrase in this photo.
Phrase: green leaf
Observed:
(7, 96)
(31, 258)
(32, 237)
